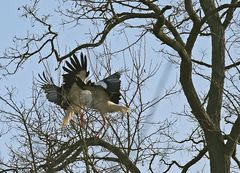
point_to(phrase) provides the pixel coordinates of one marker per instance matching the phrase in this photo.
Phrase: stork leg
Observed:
(81, 119)
(67, 117)
(103, 125)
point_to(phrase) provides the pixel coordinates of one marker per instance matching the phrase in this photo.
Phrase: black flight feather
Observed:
(75, 66)
(112, 86)
(70, 66)
(84, 61)
(53, 92)
(66, 69)
(77, 63)
(74, 63)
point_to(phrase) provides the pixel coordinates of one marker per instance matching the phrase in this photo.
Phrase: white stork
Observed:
(77, 92)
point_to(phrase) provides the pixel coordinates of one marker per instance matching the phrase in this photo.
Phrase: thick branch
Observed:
(212, 12)
(229, 15)
(154, 7)
(196, 26)
(113, 22)
(185, 73)
(233, 137)
(164, 38)
(93, 141)
(189, 8)
(194, 160)
(190, 92)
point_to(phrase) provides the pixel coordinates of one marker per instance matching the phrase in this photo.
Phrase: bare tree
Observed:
(178, 32)
(43, 146)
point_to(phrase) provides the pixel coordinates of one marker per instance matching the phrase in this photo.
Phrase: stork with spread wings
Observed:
(78, 92)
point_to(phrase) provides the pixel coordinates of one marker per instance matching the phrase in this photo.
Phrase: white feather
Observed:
(103, 84)
(86, 98)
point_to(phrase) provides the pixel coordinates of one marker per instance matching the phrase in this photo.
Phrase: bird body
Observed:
(78, 92)
(102, 102)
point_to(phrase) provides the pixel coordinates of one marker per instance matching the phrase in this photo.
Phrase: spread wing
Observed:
(75, 69)
(111, 84)
(53, 92)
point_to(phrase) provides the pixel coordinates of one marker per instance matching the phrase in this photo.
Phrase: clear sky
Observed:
(13, 25)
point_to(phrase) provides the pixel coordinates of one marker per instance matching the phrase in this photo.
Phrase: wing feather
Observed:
(75, 69)
(66, 69)
(53, 92)
(111, 84)
(75, 62)
(83, 60)
(71, 67)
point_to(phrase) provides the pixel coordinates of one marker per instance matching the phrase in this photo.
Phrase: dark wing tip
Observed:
(84, 61)
(71, 66)
(45, 79)
(117, 74)
(74, 66)
(76, 61)
(52, 91)
(112, 86)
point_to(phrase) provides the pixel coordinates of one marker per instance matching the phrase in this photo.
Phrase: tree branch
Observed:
(93, 141)
(214, 11)
(229, 15)
(196, 26)
(194, 160)
(233, 137)
(113, 22)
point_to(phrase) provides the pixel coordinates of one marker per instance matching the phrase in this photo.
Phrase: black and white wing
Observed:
(112, 86)
(53, 92)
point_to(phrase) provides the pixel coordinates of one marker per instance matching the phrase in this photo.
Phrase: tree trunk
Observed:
(219, 159)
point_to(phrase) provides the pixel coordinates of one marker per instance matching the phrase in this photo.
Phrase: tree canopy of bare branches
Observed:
(200, 39)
